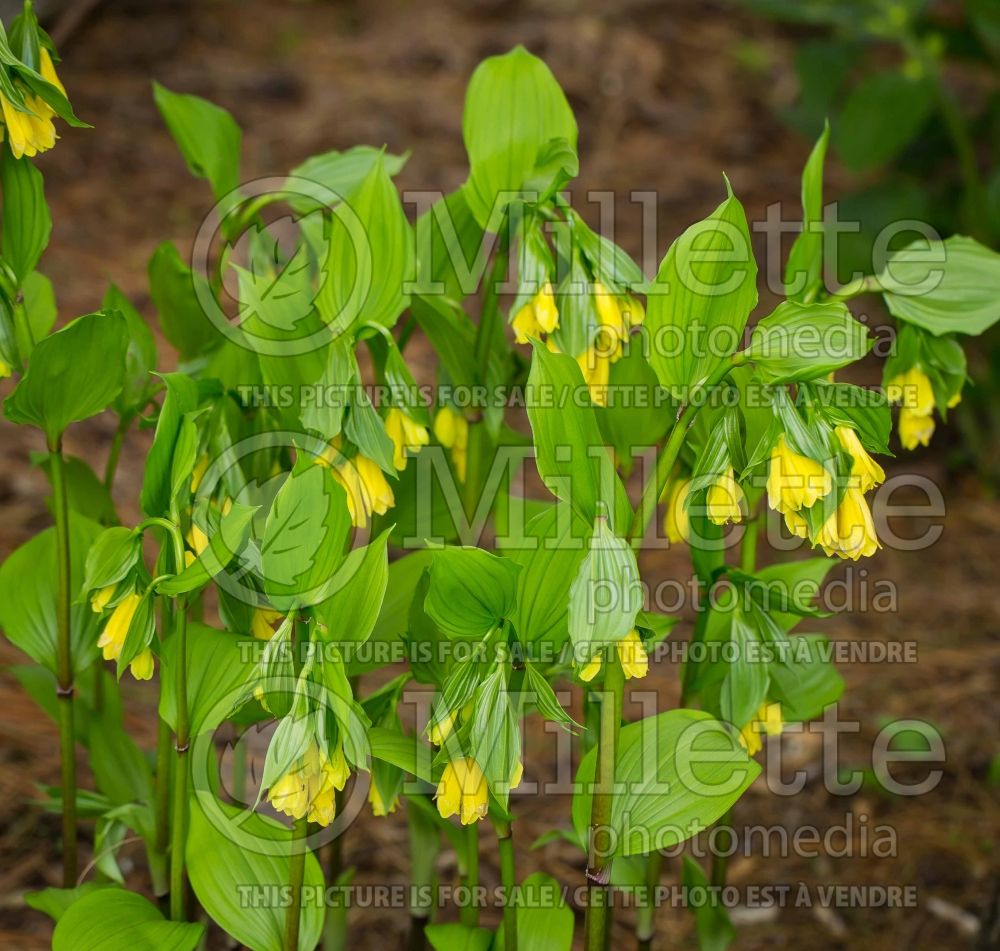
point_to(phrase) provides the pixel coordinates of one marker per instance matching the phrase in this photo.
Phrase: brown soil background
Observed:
(664, 104)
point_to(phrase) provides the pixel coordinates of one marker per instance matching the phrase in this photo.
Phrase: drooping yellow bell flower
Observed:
(308, 789)
(517, 775)
(849, 531)
(32, 131)
(112, 638)
(795, 523)
(609, 312)
(768, 721)
(438, 732)
(538, 317)
(633, 312)
(868, 472)
(676, 521)
(725, 500)
(631, 653)
(406, 434)
(451, 429)
(795, 481)
(263, 621)
(596, 368)
(367, 490)
(142, 665)
(463, 791)
(912, 390)
(100, 599)
(379, 808)
(915, 429)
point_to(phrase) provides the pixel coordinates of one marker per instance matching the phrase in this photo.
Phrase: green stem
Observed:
(335, 926)
(178, 838)
(655, 484)
(64, 665)
(114, 454)
(723, 840)
(161, 806)
(645, 922)
(597, 923)
(296, 874)
(469, 913)
(748, 546)
(508, 878)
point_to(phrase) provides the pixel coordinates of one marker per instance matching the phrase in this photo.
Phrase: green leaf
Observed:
(458, 937)
(371, 257)
(944, 286)
(218, 664)
(26, 219)
(304, 538)
(405, 752)
(181, 398)
(699, 303)
(54, 901)
(140, 360)
(804, 270)
(349, 614)
(798, 342)
(28, 596)
(85, 491)
(681, 771)
(881, 116)
(544, 920)
(207, 135)
(514, 110)
(715, 930)
(338, 172)
(113, 919)
(221, 868)
(471, 591)
(450, 253)
(73, 374)
(177, 293)
(571, 457)
(39, 308)
(864, 410)
(121, 770)
(804, 681)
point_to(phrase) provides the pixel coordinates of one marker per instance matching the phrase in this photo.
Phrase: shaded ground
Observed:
(663, 104)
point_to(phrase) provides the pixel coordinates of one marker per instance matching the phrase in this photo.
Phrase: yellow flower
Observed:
(48, 69)
(438, 732)
(406, 435)
(915, 429)
(367, 490)
(100, 598)
(379, 808)
(538, 317)
(633, 311)
(794, 481)
(595, 368)
(632, 654)
(339, 771)
(676, 522)
(850, 530)
(517, 775)
(724, 499)
(262, 624)
(768, 721)
(197, 539)
(142, 665)
(609, 313)
(913, 390)
(198, 472)
(112, 639)
(953, 401)
(796, 524)
(28, 132)
(868, 472)
(309, 787)
(463, 790)
(451, 429)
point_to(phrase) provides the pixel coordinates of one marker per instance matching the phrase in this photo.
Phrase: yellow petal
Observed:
(725, 499)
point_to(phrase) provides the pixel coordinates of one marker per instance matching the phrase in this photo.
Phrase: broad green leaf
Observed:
(26, 219)
(218, 664)
(113, 919)
(357, 590)
(54, 901)
(805, 681)
(798, 342)
(401, 750)
(882, 115)
(85, 491)
(304, 538)
(39, 308)
(338, 172)
(571, 457)
(804, 270)
(181, 398)
(28, 596)
(944, 286)
(177, 293)
(371, 256)
(471, 591)
(221, 869)
(514, 112)
(681, 771)
(121, 770)
(458, 937)
(698, 305)
(865, 410)
(544, 920)
(140, 360)
(450, 251)
(206, 134)
(73, 374)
